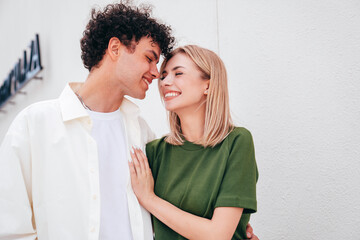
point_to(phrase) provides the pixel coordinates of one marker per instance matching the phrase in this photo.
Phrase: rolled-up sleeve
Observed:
(238, 188)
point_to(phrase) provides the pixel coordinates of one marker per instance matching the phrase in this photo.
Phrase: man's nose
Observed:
(154, 72)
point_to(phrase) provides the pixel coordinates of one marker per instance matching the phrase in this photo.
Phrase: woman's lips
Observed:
(171, 95)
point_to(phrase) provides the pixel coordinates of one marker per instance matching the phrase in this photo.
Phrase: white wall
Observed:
(294, 71)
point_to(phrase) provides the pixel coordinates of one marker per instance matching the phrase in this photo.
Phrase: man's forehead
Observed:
(156, 48)
(150, 46)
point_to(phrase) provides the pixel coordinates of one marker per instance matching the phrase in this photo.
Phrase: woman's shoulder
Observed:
(239, 135)
(154, 145)
(240, 132)
(154, 148)
(156, 142)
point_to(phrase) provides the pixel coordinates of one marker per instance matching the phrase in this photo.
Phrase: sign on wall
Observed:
(22, 72)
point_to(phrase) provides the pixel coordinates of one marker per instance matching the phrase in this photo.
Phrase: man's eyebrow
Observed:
(155, 55)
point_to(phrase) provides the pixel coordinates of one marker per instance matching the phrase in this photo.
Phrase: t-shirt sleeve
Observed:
(151, 155)
(238, 187)
(150, 152)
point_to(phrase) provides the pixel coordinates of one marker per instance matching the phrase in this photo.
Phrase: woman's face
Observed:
(181, 85)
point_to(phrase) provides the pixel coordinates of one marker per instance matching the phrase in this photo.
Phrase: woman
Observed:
(204, 169)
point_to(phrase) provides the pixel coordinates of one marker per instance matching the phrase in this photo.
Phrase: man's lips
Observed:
(148, 81)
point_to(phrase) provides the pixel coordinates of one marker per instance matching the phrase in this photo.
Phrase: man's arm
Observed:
(16, 213)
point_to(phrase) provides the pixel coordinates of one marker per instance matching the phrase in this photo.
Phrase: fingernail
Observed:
(248, 235)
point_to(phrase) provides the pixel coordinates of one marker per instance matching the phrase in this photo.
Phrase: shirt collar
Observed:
(71, 107)
(127, 107)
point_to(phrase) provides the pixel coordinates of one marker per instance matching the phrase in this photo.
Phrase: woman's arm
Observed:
(221, 226)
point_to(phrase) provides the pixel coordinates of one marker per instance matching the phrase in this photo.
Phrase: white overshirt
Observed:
(49, 181)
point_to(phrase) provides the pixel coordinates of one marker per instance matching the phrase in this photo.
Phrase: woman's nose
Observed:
(167, 81)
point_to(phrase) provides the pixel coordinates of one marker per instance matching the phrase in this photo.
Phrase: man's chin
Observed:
(140, 96)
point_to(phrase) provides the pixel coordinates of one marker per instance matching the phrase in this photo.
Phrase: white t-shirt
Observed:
(109, 134)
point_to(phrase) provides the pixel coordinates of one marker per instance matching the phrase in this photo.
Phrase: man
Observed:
(63, 162)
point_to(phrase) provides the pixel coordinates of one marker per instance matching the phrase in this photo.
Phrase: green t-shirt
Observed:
(197, 179)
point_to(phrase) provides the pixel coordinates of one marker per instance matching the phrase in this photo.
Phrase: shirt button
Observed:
(94, 196)
(92, 229)
(92, 170)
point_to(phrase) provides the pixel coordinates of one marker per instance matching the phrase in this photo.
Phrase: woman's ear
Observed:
(206, 92)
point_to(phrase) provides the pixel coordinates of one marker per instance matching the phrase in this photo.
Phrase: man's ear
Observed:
(114, 47)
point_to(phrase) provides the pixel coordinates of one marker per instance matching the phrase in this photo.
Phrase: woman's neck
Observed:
(192, 124)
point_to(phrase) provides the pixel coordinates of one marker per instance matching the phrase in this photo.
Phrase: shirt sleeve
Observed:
(238, 187)
(150, 135)
(16, 214)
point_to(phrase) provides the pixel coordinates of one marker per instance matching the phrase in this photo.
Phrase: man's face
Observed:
(137, 68)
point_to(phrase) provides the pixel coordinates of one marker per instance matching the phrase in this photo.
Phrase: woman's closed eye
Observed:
(162, 77)
(178, 73)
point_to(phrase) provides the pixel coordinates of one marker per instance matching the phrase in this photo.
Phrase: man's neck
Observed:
(98, 94)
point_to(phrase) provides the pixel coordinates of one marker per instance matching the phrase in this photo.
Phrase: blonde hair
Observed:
(218, 122)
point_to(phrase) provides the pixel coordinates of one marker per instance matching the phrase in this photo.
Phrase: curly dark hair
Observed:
(127, 23)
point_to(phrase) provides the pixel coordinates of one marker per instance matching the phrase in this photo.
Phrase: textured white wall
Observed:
(294, 71)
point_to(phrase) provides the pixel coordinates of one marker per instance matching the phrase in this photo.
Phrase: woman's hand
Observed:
(142, 180)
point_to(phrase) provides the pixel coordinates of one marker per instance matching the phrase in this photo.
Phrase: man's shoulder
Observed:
(35, 114)
(39, 110)
(42, 107)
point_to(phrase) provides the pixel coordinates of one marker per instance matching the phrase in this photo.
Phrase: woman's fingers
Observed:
(146, 161)
(142, 181)
(132, 168)
(140, 159)
(136, 162)
(132, 171)
(140, 163)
